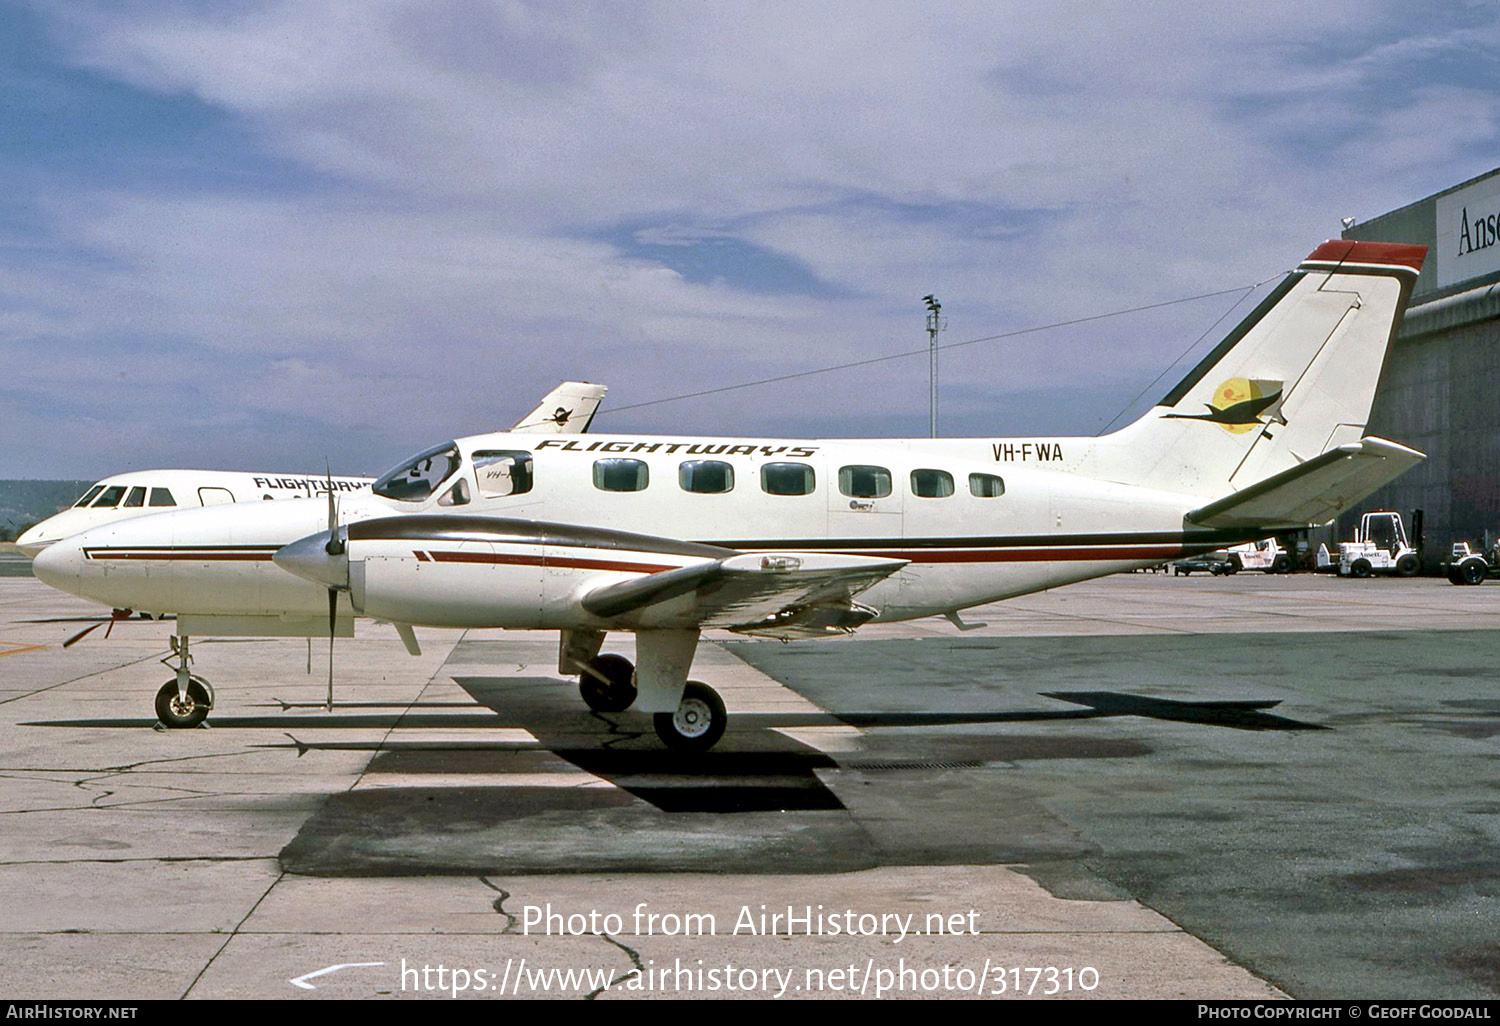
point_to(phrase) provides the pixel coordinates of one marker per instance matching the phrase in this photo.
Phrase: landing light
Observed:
(780, 563)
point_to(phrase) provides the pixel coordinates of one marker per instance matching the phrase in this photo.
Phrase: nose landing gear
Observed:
(185, 700)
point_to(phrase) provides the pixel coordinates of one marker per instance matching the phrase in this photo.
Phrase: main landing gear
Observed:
(185, 700)
(607, 684)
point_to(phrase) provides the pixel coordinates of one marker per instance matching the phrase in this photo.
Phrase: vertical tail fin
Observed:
(1294, 379)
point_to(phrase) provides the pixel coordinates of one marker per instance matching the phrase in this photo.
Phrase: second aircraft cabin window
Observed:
(708, 477)
(865, 482)
(787, 479)
(621, 475)
(986, 486)
(931, 484)
(503, 472)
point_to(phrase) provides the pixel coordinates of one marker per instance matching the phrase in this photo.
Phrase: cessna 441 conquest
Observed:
(668, 536)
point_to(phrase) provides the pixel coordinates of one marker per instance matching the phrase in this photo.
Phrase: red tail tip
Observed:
(1352, 251)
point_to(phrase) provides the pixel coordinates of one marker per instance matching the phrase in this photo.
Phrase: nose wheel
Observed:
(697, 724)
(183, 701)
(176, 710)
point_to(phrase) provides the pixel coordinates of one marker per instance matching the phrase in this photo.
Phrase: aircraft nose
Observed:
(59, 565)
(310, 559)
(33, 540)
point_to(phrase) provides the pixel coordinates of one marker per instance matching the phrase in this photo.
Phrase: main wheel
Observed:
(697, 724)
(613, 694)
(1360, 568)
(177, 712)
(1282, 565)
(1407, 566)
(1472, 571)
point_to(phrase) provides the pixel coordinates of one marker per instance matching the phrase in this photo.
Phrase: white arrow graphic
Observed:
(301, 981)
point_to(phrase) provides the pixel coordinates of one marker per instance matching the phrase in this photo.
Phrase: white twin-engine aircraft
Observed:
(667, 536)
(568, 408)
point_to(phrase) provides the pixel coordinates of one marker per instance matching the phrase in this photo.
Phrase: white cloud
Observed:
(464, 166)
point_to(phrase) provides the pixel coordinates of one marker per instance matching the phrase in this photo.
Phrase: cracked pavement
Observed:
(447, 793)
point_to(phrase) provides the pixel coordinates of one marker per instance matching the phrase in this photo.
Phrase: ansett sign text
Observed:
(1468, 232)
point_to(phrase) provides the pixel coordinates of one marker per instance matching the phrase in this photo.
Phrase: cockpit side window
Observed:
(502, 472)
(111, 497)
(137, 497)
(162, 497)
(88, 496)
(416, 479)
(458, 495)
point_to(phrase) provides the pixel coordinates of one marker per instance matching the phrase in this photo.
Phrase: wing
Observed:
(566, 410)
(768, 594)
(1313, 492)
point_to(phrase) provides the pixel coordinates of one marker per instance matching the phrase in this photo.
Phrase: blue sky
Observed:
(262, 234)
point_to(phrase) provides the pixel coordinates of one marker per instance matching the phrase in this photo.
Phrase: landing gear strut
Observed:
(697, 724)
(183, 701)
(607, 683)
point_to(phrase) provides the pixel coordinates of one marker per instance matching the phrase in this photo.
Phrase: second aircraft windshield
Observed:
(419, 477)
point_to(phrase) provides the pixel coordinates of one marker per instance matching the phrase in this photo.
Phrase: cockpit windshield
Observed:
(417, 478)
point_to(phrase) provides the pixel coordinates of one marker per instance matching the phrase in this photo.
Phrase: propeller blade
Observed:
(333, 612)
(335, 546)
(114, 617)
(84, 633)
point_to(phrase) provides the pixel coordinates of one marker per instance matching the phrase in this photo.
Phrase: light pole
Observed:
(934, 325)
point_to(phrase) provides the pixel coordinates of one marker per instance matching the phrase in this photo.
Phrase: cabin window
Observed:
(865, 482)
(88, 496)
(503, 472)
(458, 495)
(787, 479)
(709, 477)
(621, 475)
(418, 478)
(136, 498)
(931, 484)
(162, 497)
(111, 497)
(986, 486)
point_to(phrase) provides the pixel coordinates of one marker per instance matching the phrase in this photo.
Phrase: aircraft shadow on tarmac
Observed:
(760, 802)
(756, 768)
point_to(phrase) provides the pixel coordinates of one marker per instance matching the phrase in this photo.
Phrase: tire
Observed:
(1282, 565)
(615, 696)
(697, 724)
(178, 714)
(1407, 565)
(1473, 571)
(1360, 568)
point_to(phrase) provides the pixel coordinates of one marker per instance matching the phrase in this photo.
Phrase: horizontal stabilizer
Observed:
(1313, 492)
(740, 591)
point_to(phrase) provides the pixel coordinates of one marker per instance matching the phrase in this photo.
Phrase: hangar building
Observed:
(1437, 393)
